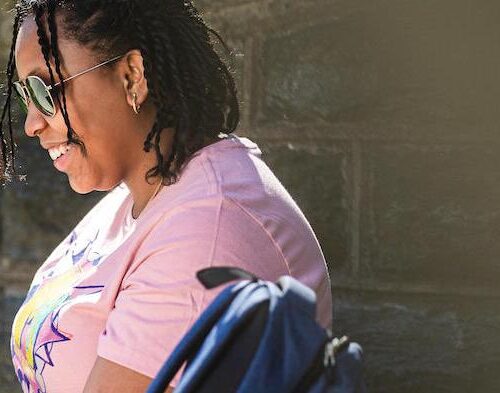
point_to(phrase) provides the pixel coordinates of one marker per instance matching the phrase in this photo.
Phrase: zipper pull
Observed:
(341, 344)
(333, 347)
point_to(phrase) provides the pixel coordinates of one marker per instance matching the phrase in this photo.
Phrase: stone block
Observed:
(316, 178)
(410, 64)
(430, 214)
(306, 76)
(425, 343)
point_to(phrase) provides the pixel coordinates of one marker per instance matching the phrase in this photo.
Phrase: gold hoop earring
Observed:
(135, 107)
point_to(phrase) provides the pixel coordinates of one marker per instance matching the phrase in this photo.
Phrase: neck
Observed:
(139, 207)
(143, 191)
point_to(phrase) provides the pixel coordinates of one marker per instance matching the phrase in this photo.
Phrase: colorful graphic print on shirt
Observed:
(36, 330)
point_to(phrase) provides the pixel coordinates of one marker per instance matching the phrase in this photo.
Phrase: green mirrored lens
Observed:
(21, 97)
(40, 95)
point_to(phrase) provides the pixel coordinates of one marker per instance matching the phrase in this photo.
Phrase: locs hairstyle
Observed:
(190, 86)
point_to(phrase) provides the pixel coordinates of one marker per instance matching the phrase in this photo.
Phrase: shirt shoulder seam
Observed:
(263, 228)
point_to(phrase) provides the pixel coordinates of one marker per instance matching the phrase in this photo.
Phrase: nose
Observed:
(35, 123)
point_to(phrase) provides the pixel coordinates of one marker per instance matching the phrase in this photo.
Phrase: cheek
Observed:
(100, 116)
(58, 124)
(98, 108)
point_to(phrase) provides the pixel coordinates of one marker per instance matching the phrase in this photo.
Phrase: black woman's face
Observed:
(98, 109)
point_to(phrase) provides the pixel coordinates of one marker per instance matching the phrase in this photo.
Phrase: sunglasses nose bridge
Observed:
(27, 95)
(21, 90)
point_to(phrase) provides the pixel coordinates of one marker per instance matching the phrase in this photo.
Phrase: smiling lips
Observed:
(57, 151)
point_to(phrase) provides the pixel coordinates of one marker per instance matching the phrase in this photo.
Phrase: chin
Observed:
(80, 189)
(83, 189)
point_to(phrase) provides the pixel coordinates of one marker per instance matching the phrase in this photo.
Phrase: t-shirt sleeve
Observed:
(160, 296)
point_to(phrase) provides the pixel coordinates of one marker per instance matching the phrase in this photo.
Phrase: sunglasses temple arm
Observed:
(84, 72)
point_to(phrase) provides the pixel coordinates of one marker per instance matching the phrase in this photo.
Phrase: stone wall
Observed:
(380, 117)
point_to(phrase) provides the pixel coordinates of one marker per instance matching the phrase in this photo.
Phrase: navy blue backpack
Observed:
(261, 337)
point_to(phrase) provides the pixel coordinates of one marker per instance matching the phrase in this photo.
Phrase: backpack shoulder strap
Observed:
(194, 337)
(239, 329)
(299, 295)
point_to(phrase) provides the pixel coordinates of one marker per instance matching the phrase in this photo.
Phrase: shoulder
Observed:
(227, 208)
(221, 181)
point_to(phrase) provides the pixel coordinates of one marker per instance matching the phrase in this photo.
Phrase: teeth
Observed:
(54, 154)
(58, 151)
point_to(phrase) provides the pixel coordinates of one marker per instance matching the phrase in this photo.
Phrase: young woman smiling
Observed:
(130, 97)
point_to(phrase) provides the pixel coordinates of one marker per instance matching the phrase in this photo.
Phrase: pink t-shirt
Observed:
(126, 290)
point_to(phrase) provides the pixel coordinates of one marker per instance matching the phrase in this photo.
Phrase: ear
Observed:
(134, 81)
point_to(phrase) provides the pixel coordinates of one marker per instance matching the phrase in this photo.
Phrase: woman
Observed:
(130, 97)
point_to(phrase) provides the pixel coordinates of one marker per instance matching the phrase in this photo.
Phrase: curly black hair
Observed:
(190, 85)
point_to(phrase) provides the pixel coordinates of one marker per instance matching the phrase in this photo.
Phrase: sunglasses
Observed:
(33, 88)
